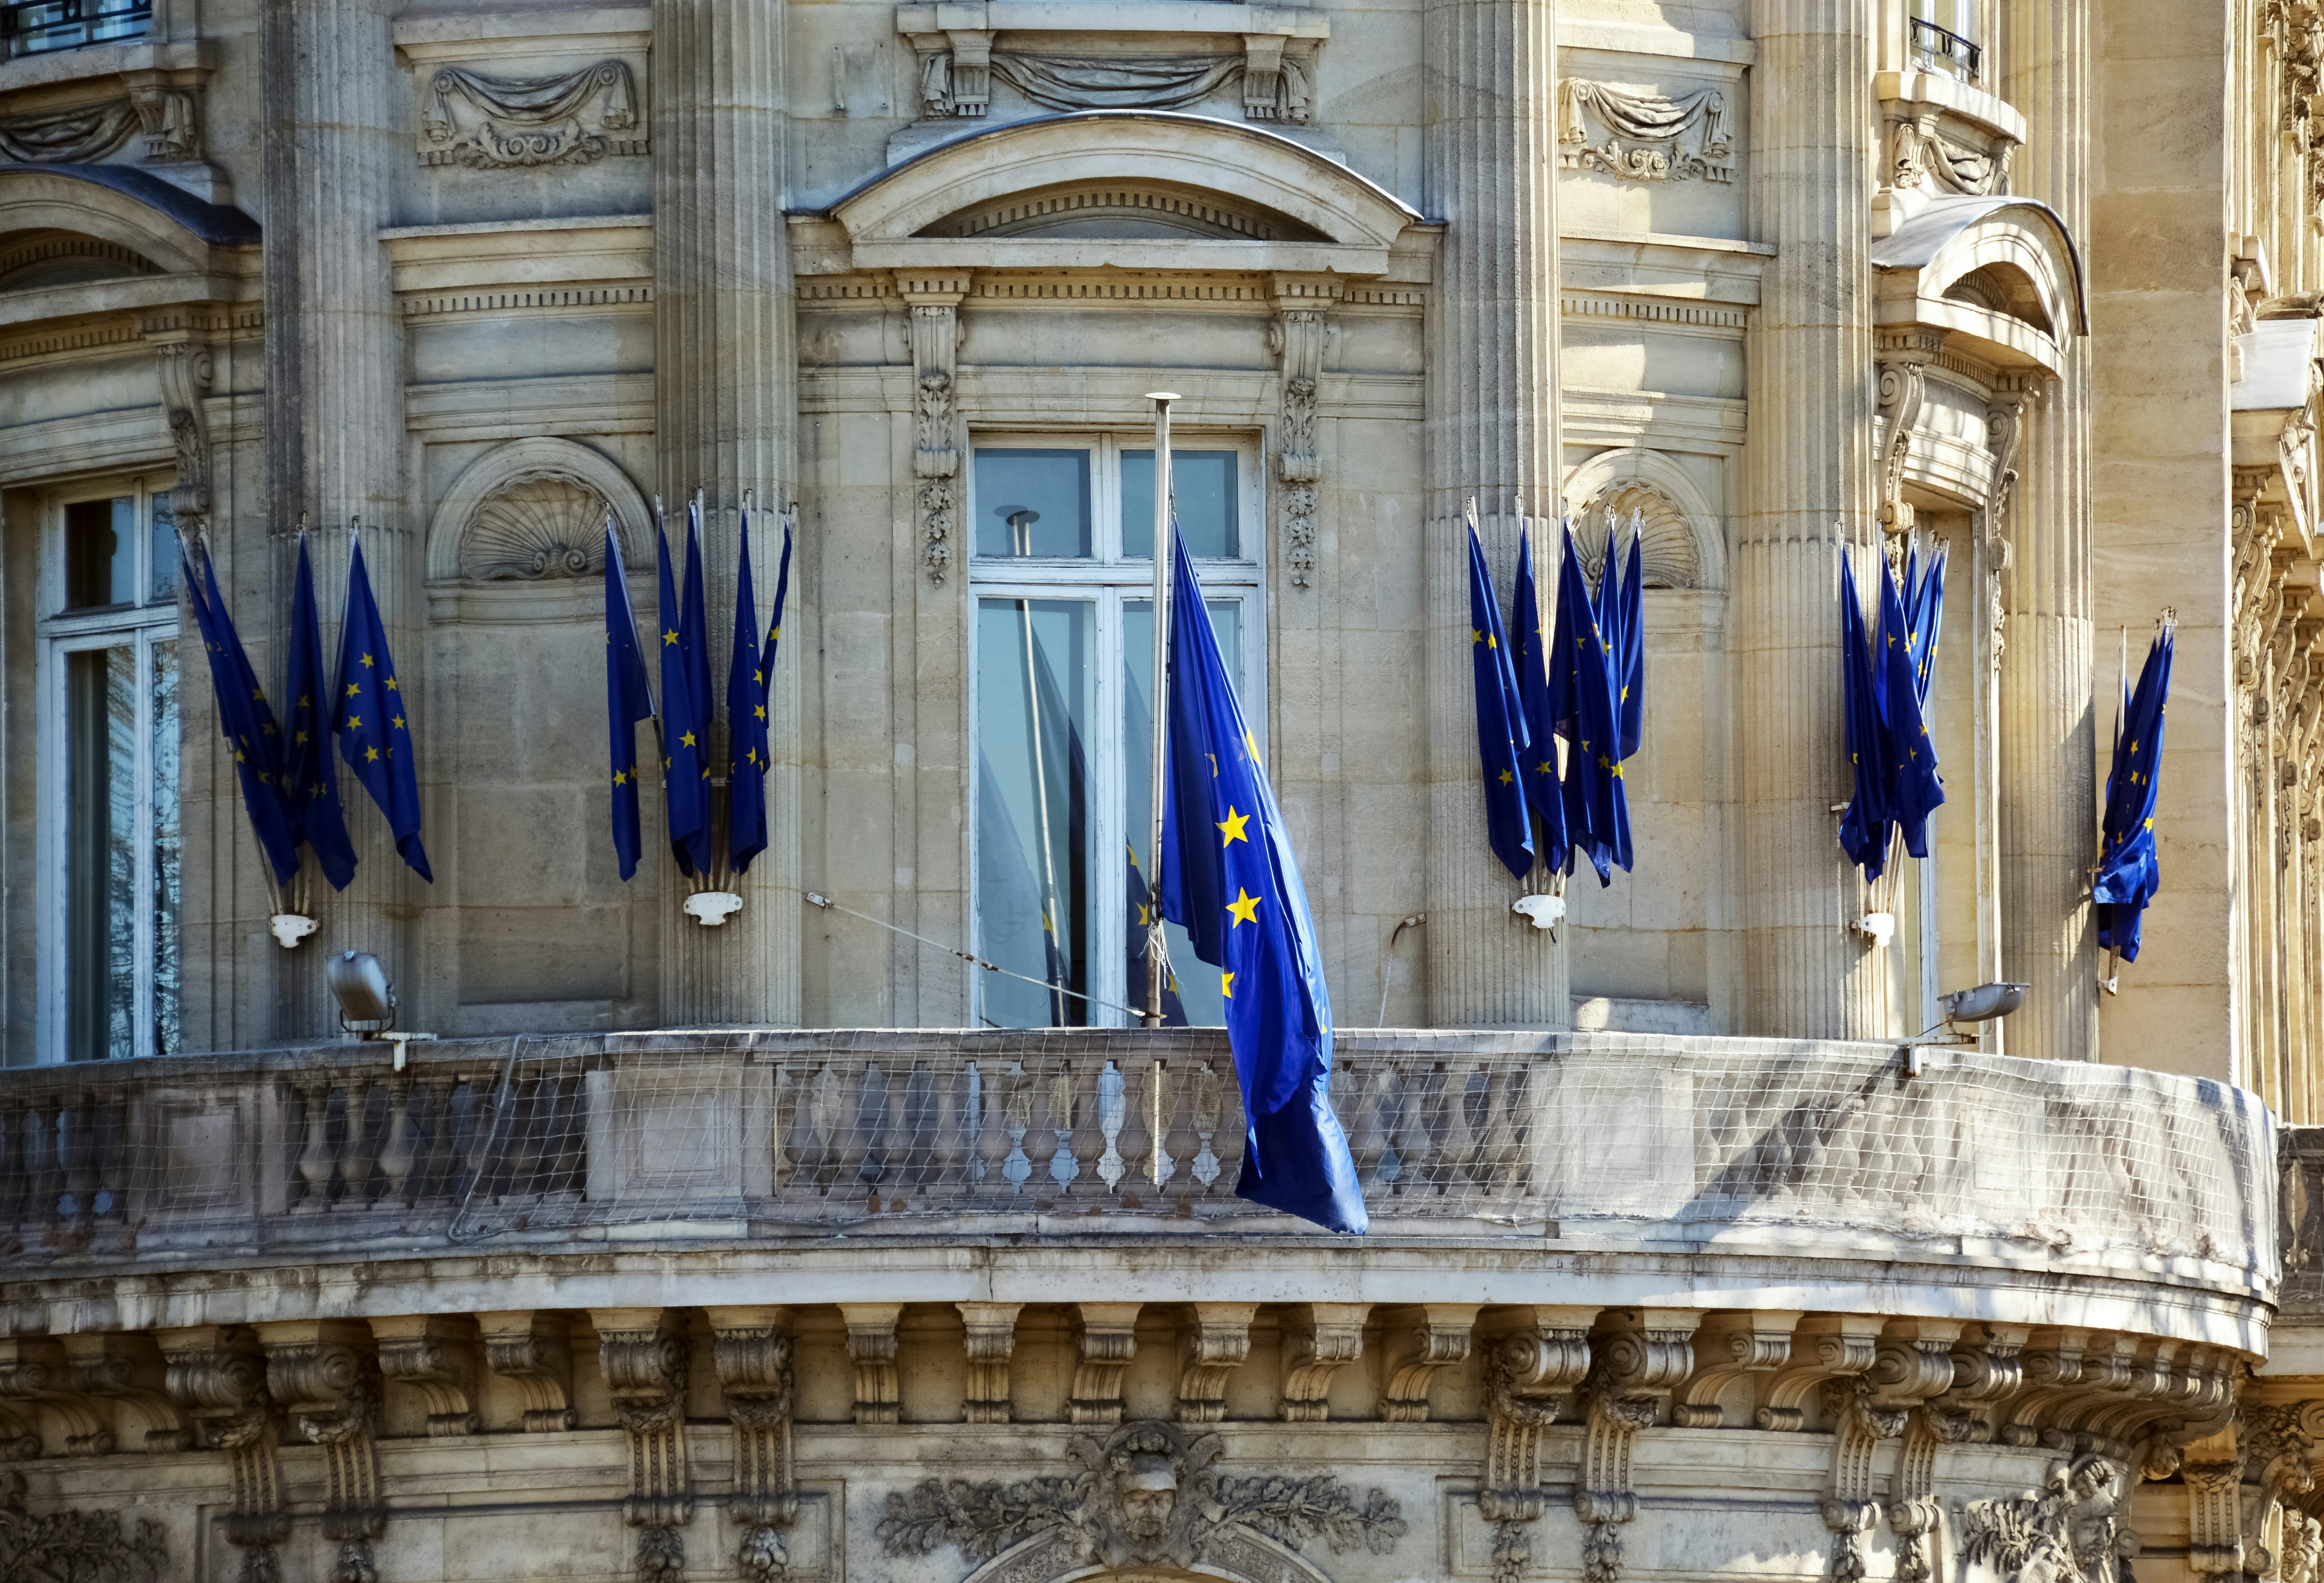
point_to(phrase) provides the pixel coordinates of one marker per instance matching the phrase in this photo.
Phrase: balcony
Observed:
(1942, 49)
(1575, 1143)
(43, 27)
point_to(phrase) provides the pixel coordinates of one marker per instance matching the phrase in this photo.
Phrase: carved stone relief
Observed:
(1902, 359)
(1300, 337)
(78, 136)
(1147, 1492)
(2004, 437)
(575, 118)
(533, 527)
(753, 1353)
(1636, 1357)
(218, 1378)
(329, 1383)
(644, 1357)
(934, 305)
(535, 1350)
(1528, 1375)
(1276, 77)
(1644, 137)
(76, 1547)
(1921, 153)
(1668, 554)
(2071, 1532)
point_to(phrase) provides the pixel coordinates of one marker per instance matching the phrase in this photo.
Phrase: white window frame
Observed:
(61, 632)
(1108, 581)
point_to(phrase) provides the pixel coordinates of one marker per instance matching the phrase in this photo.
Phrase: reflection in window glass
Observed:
(101, 853)
(162, 772)
(1033, 716)
(165, 553)
(100, 553)
(1033, 503)
(1202, 483)
(1197, 981)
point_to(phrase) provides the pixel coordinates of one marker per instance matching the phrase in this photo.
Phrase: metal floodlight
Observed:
(366, 999)
(1983, 1003)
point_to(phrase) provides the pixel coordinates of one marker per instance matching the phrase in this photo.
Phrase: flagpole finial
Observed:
(657, 506)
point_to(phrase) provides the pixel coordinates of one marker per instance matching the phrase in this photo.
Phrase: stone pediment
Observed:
(2000, 276)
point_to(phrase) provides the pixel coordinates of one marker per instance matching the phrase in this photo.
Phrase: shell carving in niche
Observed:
(1670, 560)
(536, 527)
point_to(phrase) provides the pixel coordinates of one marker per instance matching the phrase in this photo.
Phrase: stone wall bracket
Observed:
(645, 1358)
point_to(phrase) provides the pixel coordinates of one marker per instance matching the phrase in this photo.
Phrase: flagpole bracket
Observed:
(291, 928)
(711, 909)
(1543, 911)
(1877, 928)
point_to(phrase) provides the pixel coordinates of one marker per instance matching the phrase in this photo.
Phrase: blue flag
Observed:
(1631, 653)
(1583, 706)
(1864, 828)
(629, 698)
(685, 774)
(1916, 790)
(1503, 741)
(248, 724)
(746, 723)
(2129, 874)
(1529, 656)
(1924, 615)
(310, 783)
(370, 717)
(693, 635)
(1229, 878)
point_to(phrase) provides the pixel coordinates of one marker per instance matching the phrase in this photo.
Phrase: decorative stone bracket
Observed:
(1644, 137)
(1318, 1339)
(1299, 336)
(934, 303)
(1904, 357)
(1108, 1341)
(753, 1353)
(872, 1349)
(1911, 1361)
(990, 1343)
(535, 1351)
(1729, 1346)
(1636, 1357)
(1529, 1374)
(500, 122)
(1441, 1335)
(644, 1357)
(434, 1354)
(186, 371)
(217, 1375)
(1213, 1342)
(324, 1374)
(2005, 438)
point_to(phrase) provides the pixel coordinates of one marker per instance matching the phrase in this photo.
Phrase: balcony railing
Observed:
(39, 27)
(777, 1136)
(1942, 50)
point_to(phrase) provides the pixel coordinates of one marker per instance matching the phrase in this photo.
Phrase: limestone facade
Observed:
(796, 1244)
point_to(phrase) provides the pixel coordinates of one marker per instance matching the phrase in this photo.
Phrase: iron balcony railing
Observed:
(1942, 50)
(42, 27)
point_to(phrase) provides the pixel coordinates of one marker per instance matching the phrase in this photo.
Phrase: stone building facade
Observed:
(795, 1245)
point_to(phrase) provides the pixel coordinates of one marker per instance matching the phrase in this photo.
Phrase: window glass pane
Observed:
(165, 552)
(163, 759)
(1203, 483)
(1196, 982)
(100, 553)
(100, 852)
(1034, 683)
(1032, 503)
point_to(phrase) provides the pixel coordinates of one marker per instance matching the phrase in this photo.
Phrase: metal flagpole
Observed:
(1158, 950)
(1020, 532)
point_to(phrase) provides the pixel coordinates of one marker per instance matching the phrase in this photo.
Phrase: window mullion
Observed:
(141, 861)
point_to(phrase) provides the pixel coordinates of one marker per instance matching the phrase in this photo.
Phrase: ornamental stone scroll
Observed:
(1644, 137)
(1299, 336)
(501, 123)
(934, 303)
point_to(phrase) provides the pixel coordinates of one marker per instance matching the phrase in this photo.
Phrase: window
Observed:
(109, 775)
(1062, 536)
(1944, 37)
(38, 27)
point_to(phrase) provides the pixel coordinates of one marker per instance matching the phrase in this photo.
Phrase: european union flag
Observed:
(1583, 706)
(370, 717)
(1630, 649)
(1864, 829)
(1229, 877)
(310, 784)
(1924, 616)
(249, 726)
(1916, 790)
(1503, 741)
(629, 698)
(746, 722)
(1530, 655)
(2129, 874)
(1139, 932)
(685, 776)
(693, 635)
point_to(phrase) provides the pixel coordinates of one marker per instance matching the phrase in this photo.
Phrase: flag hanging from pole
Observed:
(1864, 828)
(2128, 873)
(248, 724)
(1582, 707)
(371, 719)
(310, 783)
(1503, 740)
(746, 721)
(1530, 655)
(629, 698)
(685, 732)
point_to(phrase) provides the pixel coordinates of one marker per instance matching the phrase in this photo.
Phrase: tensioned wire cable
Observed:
(827, 904)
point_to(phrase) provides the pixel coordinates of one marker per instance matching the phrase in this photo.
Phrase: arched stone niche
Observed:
(535, 509)
(1684, 545)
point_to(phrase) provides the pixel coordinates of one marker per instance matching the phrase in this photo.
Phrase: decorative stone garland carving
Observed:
(1147, 1492)
(535, 1351)
(935, 308)
(78, 136)
(327, 1382)
(957, 67)
(76, 1547)
(1636, 1357)
(1648, 137)
(1527, 1376)
(644, 1357)
(575, 118)
(2071, 1532)
(1920, 154)
(1442, 1337)
(752, 1351)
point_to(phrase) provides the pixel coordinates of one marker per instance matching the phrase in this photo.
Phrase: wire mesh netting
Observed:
(775, 1135)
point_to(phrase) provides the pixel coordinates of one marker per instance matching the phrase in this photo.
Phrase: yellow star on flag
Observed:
(1244, 908)
(1226, 984)
(620, 778)
(670, 636)
(687, 740)
(352, 722)
(355, 689)
(366, 660)
(1506, 777)
(1233, 827)
(371, 754)
(399, 722)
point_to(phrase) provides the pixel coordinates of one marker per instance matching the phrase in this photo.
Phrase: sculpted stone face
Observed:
(1149, 1497)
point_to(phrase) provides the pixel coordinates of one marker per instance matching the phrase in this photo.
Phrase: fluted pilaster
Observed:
(1491, 176)
(334, 431)
(1809, 488)
(724, 413)
(2049, 742)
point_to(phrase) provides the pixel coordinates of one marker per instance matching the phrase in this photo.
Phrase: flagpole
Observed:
(1157, 947)
(1020, 540)
(283, 899)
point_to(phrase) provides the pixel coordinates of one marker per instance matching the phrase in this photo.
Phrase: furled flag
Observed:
(1138, 744)
(249, 726)
(1630, 651)
(746, 722)
(1915, 790)
(1924, 613)
(1865, 827)
(371, 719)
(1503, 743)
(684, 731)
(629, 698)
(1530, 655)
(1582, 707)
(310, 783)
(1229, 879)
(2129, 873)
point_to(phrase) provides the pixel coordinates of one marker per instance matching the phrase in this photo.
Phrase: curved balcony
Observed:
(1719, 1164)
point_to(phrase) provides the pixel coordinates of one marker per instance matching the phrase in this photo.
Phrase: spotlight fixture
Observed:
(1984, 1003)
(367, 1000)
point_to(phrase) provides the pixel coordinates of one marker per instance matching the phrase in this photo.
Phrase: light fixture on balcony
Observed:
(1984, 1003)
(366, 1000)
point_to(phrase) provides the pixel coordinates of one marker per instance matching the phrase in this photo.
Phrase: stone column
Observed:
(334, 438)
(1491, 177)
(724, 415)
(1808, 476)
(2048, 740)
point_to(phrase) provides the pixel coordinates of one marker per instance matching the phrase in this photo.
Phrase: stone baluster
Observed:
(1113, 1114)
(1135, 1139)
(437, 1174)
(401, 1156)
(77, 1137)
(1166, 1095)
(487, 1132)
(15, 1179)
(315, 1166)
(897, 1134)
(818, 1119)
(112, 1200)
(950, 1126)
(1356, 1093)
(1233, 1127)
(356, 1156)
(993, 1140)
(1068, 1110)
(1089, 1140)
(1204, 1109)
(866, 1144)
(45, 1163)
(1456, 1140)
(1037, 1095)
